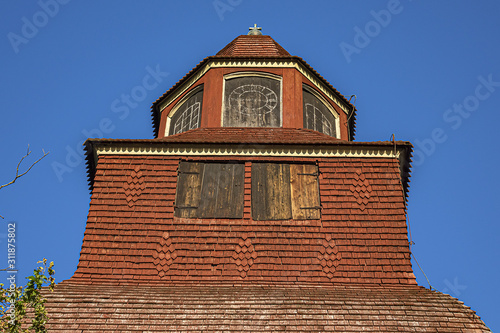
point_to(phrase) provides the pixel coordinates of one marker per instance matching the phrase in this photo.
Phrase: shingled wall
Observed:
(132, 236)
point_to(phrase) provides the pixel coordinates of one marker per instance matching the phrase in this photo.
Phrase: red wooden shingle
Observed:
(364, 233)
(253, 46)
(142, 269)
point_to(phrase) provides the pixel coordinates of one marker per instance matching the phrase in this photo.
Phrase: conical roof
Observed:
(253, 46)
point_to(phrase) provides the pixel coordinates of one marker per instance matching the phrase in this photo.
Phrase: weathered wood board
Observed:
(271, 191)
(209, 190)
(304, 191)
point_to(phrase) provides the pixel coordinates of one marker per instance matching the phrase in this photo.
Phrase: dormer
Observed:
(254, 82)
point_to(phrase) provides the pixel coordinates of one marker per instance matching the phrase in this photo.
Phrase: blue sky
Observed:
(427, 71)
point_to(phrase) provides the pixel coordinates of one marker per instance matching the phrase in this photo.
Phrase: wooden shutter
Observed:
(304, 192)
(221, 191)
(271, 191)
(187, 197)
(230, 200)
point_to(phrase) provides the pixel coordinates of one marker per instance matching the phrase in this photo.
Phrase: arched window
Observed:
(317, 115)
(252, 100)
(187, 114)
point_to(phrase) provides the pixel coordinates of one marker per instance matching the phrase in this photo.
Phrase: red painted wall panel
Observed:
(292, 81)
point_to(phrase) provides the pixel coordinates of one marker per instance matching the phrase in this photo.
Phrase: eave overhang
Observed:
(400, 150)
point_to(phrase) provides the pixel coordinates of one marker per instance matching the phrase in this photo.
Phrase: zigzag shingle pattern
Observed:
(128, 244)
(142, 269)
(218, 308)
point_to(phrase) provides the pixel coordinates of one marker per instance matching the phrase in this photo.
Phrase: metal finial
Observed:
(255, 30)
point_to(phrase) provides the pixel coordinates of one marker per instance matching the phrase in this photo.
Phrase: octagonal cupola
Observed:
(254, 82)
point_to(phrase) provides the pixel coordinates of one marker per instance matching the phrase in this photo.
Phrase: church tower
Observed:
(252, 209)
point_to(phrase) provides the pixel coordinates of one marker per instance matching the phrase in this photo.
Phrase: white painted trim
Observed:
(257, 150)
(257, 64)
(243, 74)
(252, 73)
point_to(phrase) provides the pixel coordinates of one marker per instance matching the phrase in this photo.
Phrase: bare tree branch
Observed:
(28, 152)
(8, 269)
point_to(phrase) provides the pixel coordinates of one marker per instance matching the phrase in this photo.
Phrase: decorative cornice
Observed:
(257, 150)
(399, 150)
(255, 64)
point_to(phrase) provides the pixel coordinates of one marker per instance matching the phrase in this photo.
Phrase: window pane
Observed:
(317, 116)
(188, 115)
(252, 101)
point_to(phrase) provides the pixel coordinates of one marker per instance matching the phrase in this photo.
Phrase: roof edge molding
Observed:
(400, 150)
(292, 62)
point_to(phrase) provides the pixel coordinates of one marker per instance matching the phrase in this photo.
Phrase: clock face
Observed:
(252, 101)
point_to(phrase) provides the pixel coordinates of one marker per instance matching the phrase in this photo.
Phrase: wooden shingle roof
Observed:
(231, 308)
(253, 46)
